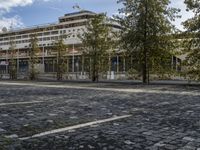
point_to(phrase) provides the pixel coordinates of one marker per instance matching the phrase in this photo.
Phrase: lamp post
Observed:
(73, 59)
(6, 61)
(43, 59)
(18, 61)
(43, 55)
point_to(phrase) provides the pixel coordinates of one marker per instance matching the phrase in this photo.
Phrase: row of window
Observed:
(53, 38)
(75, 18)
(42, 34)
(43, 29)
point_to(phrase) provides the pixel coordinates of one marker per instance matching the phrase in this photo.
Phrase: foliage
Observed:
(133, 74)
(33, 58)
(61, 50)
(97, 44)
(12, 62)
(147, 33)
(192, 45)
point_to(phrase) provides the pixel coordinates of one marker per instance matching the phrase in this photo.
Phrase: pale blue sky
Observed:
(34, 12)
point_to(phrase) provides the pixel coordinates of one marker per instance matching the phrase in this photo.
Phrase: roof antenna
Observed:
(77, 7)
(11, 26)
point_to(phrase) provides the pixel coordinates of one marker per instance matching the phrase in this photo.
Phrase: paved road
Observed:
(161, 116)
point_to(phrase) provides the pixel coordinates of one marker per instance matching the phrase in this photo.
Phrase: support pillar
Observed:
(124, 64)
(117, 63)
(82, 66)
(73, 59)
(109, 67)
(18, 61)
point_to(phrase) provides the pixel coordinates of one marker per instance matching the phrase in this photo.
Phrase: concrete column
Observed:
(131, 62)
(82, 66)
(124, 64)
(176, 64)
(6, 61)
(67, 64)
(73, 59)
(109, 67)
(18, 61)
(53, 65)
(90, 66)
(43, 55)
(117, 63)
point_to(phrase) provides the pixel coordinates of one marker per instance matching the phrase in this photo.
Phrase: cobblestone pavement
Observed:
(162, 117)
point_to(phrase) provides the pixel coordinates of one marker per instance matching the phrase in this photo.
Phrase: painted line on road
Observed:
(195, 93)
(75, 127)
(20, 103)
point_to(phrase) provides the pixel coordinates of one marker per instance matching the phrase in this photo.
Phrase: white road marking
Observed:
(195, 93)
(76, 127)
(20, 103)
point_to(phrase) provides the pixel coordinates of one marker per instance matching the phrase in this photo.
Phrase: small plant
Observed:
(133, 74)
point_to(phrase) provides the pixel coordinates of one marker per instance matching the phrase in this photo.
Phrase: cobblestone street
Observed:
(111, 116)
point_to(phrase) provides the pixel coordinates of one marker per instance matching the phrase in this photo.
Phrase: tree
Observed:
(146, 33)
(12, 62)
(192, 43)
(97, 42)
(33, 57)
(61, 50)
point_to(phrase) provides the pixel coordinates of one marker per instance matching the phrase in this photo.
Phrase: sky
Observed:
(25, 13)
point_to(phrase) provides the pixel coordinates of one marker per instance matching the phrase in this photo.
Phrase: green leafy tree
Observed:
(12, 62)
(61, 51)
(146, 33)
(97, 43)
(192, 43)
(33, 57)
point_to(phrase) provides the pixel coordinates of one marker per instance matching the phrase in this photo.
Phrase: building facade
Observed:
(72, 25)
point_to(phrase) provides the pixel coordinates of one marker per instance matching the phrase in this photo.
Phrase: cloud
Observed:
(56, 9)
(184, 14)
(6, 6)
(13, 21)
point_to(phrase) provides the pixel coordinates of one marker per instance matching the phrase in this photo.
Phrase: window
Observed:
(24, 36)
(18, 37)
(39, 34)
(12, 38)
(46, 33)
(56, 37)
(54, 32)
(52, 38)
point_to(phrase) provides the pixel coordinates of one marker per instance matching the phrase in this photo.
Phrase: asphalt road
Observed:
(105, 116)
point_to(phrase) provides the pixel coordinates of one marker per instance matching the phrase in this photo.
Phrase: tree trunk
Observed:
(144, 80)
(144, 72)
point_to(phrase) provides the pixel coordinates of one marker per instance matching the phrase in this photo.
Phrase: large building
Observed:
(72, 25)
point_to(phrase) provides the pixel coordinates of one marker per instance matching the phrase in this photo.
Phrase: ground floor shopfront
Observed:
(79, 67)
